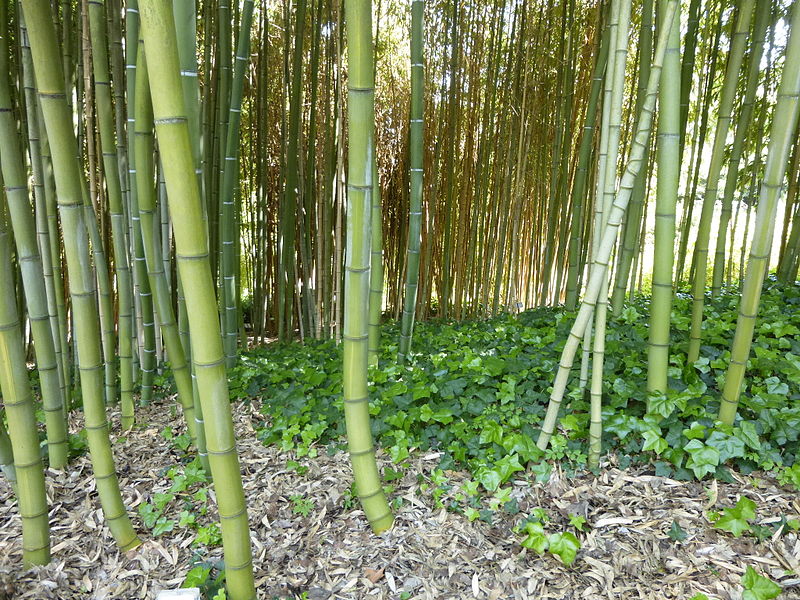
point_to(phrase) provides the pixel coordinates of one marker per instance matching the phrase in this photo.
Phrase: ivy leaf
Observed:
(160, 500)
(696, 431)
(776, 386)
(564, 545)
(197, 577)
(508, 465)
(488, 478)
(492, 432)
(187, 519)
(542, 471)
(577, 521)
(471, 513)
(748, 434)
(163, 525)
(758, 587)
(443, 416)
(149, 514)
(660, 404)
(735, 520)
(746, 508)
(653, 441)
(728, 446)
(676, 532)
(425, 413)
(535, 539)
(703, 459)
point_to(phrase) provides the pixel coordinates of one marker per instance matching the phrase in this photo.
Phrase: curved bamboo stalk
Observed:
(615, 78)
(609, 235)
(582, 175)
(633, 219)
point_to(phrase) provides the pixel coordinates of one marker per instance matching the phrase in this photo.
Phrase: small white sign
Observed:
(181, 594)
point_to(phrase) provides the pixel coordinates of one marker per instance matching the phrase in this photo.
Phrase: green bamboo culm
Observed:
(191, 249)
(615, 83)
(668, 157)
(630, 239)
(105, 119)
(376, 268)
(230, 179)
(742, 129)
(781, 138)
(606, 244)
(580, 202)
(70, 188)
(361, 148)
(145, 186)
(131, 48)
(21, 220)
(18, 400)
(727, 94)
(7, 454)
(416, 151)
(46, 221)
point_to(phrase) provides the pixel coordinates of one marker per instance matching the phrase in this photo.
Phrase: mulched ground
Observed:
(429, 553)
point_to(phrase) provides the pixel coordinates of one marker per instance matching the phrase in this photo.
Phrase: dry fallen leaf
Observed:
(373, 575)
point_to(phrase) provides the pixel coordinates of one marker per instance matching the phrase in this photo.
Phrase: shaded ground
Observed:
(430, 553)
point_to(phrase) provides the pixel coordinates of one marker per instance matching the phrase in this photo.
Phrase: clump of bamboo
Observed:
(781, 137)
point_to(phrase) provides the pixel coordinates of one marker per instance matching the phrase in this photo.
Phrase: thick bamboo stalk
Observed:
(668, 158)
(70, 187)
(192, 251)
(21, 220)
(360, 186)
(18, 402)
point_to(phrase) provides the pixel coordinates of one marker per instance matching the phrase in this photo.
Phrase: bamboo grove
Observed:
(311, 169)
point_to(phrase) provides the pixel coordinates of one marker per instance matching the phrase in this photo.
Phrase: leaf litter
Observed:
(430, 553)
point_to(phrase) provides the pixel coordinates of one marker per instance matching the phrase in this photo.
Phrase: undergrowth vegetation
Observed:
(475, 392)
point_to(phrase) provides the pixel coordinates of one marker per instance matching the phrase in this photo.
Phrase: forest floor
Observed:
(329, 553)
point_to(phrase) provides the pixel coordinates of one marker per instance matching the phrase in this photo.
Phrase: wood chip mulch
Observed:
(428, 554)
